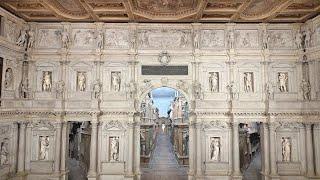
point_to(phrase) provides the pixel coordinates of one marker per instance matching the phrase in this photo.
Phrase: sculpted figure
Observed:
(114, 149)
(60, 88)
(44, 148)
(31, 39)
(196, 40)
(22, 38)
(299, 39)
(231, 39)
(269, 90)
(97, 89)
(46, 82)
(233, 91)
(307, 39)
(65, 39)
(214, 82)
(306, 89)
(215, 149)
(248, 82)
(132, 89)
(24, 88)
(265, 39)
(99, 40)
(197, 90)
(115, 81)
(286, 149)
(283, 81)
(8, 78)
(81, 81)
(4, 153)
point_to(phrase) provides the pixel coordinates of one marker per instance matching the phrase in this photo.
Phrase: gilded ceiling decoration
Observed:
(164, 10)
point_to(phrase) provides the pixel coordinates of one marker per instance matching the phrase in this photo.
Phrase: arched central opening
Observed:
(164, 135)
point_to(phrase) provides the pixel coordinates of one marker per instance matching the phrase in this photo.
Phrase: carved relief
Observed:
(283, 81)
(83, 38)
(306, 89)
(12, 31)
(44, 148)
(114, 124)
(164, 58)
(280, 38)
(60, 89)
(114, 148)
(164, 39)
(4, 152)
(115, 81)
(31, 39)
(181, 84)
(212, 38)
(22, 40)
(298, 39)
(117, 38)
(81, 81)
(49, 38)
(214, 81)
(247, 38)
(46, 81)
(248, 82)
(286, 149)
(65, 38)
(215, 146)
(97, 89)
(8, 78)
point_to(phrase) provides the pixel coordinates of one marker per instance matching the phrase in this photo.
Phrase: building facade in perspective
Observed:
(76, 78)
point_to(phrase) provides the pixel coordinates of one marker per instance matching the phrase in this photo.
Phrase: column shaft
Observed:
(93, 149)
(137, 149)
(316, 137)
(199, 154)
(236, 150)
(64, 150)
(130, 149)
(265, 149)
(273, 159)
(310, 158)
(21, 155)
(58, 149)
(191, 149)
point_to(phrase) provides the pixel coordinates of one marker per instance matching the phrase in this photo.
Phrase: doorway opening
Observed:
(164, 135)
(79, 150)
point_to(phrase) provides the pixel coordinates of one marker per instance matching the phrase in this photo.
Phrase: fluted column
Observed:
(192, 145)
(310, 157)
(58, 148)
(316, 137)
(236, 150)
(64, 150)
(137, 149)
(230, 165)
(130, 148)
(303, 150)
(199, 154)
(21, 155)
(273, 160)
(265, 149)
(93, 148)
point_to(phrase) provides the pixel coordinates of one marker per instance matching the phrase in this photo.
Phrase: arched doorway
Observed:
(164, 134)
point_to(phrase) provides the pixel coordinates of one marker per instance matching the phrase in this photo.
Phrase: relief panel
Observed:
(117, 38)
(247, 38)
(83, 38)
(212, 38)
(49, 38)
(280, 38)
(12, 31)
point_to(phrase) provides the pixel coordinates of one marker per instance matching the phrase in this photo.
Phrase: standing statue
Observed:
(24, 88)
(46, 82)
(307, 39)
(44, 148)
(196, 40)
(286, 149)
(132, 89)
(233, 90)
(4, 153)
(99, 40)
(114, 149)
(97, 89)
(81, 81)
(115, 81)
(65, 39)
(283, 81)
(306, 89)
(22, 40)
(298, 40)
(231, 39)
(60, 88)
(214, 82)
(269, 88)
(215, 149)
(248, 82)
(31, 39)
(265, 39)
(8, 78)
(197, 90)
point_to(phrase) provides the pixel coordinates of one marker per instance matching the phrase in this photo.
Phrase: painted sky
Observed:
(162, 98)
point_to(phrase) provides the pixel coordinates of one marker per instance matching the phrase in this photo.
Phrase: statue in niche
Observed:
(8, 78)
(44, 148)
(298, 40)
(81, 76)
(215, 149)
(4, 153)
(115, 81)
(286, 149)
(99, 40)
(283, 81)
(46, 81)
(248, 82)
(231, 39)
(65, 39)
(214, 81)
(114, 149)
(265, 39)
(60, 88)
(97, 89)
(31, 39)
(22, 38)
(185, 144)
(306, 89)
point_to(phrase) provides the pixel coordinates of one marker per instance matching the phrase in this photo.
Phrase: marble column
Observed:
(130, 149)
(316, 137)
(273, 157)
(310, 157)
(199, 154)
(64, 149)
(192, 145)
(137, 150)
(236, 150)
(265, 149)
(58, 148)
(303, 150)
(230, 165)
(21, 154)
(93, 149)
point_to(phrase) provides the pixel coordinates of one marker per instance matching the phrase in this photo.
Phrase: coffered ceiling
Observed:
(164, 10)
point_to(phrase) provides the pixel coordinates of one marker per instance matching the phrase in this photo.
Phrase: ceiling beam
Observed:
(52, 10)
(203, 4)
(128, 7)
(86, 6)
(242, 7)
(281, 8)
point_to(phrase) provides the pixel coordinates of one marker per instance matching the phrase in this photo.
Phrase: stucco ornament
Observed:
(115, 81)
(248, 82)
(31, 39)
(283, 81)
(164, 58)
(131, 89)
(60, 88)
(231, 39)
(197, 90)
(22, 40)
(286, 149)
(298, 39)
(265, 39)
(97, 89)
(81, 81)
(183, 85)
(99, 40)
(65, 39)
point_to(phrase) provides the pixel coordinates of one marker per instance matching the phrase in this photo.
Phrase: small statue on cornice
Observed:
(99, 40)
(65, 39)
(197, 90)
(97, 89)
(231, 39)
(265, 39)
(306, 89)
(22, 40)
(298, 40)
(31, 39)
(196, 40)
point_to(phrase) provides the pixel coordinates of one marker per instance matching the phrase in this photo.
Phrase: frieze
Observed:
(247, 38)
(286, 125)
(113, 124)
(215, 124)
(49, 38)
(117, 38)
(281, 38)
(212, 38)
(83, 38)
(42, 125)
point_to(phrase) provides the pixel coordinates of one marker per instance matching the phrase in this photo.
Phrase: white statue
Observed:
(81, 81)
(99, 40)
(60, 88)
(214, 82)
(132, 89)
(215, 149)
(46, 81)
(31, 39)
(8, 78)
(231, 39)
(97, 89)
(4, 153)
(283, 81)
(44, 148)
(22, 40)
(196, 40)
(65, 39)
(306, 89)
(197, 90)
(269, 90)
(265, 39)
(248, 82)
(114, 149)
(115, 81)
(233, 90)
(307, 39)
(286, 149)
(24, 88)
(298, 40)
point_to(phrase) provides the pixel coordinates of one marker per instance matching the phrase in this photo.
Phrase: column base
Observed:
(237, 177)
(92, 176)
(274, 177)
